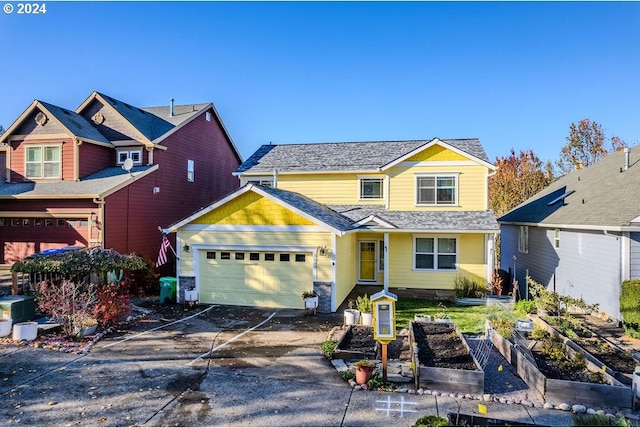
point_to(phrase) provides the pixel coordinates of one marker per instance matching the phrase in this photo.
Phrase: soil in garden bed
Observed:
(554, 369)
(359, 338)
(440, 346)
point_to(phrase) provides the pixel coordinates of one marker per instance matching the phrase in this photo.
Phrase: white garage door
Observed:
(270, 279)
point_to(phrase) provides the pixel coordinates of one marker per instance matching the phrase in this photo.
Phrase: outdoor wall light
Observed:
(186, 247)
(323, 251)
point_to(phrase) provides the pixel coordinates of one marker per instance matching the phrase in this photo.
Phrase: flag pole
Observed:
(170, 246)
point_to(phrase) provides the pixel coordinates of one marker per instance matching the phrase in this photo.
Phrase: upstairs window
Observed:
(134, 155)
(436, 190)
(371, 188)
(42, 162)
(190, 171)
(266, 182)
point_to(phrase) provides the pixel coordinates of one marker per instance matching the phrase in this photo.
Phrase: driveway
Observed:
(208, 366)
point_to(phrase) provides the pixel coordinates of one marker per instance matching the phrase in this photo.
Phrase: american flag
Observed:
(162, 256)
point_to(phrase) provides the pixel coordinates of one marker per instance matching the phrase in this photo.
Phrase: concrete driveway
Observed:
(211, 366)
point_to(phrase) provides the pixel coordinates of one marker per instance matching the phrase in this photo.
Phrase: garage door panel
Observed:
(255, 282)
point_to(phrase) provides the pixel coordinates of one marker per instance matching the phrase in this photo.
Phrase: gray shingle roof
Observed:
(76, 124)
(181, 113)
(95, 184)
(149, 124)
(351, 156)
(601, 196)
(423, 220)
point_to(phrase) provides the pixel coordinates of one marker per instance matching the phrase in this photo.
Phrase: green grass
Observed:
(470, 319)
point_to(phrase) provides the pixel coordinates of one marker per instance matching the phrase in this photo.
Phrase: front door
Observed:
(367, 262)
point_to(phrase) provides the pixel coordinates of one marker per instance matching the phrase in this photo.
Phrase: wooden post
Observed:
(384, 361)
(14, 283)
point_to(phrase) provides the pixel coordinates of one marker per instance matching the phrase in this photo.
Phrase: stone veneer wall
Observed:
(323, 289)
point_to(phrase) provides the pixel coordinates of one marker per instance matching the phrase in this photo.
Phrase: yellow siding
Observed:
(472, 187)
(257, 239)
(437, 153)
(252, 209)
(401, 273)
(338, 189)
(345, 266)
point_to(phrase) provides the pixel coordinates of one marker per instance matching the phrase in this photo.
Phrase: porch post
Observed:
(386, 261)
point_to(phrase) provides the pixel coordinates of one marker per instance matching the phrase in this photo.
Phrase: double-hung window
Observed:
(435, 253)
(42, 162)
(371, 188)
(437, 189)
(134, 155)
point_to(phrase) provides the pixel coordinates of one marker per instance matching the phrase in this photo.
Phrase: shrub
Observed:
(113, 302)
(68, 303)
(525, 306)
(504, 325)
(599, 421)
(469, 287)
(328, 348)
(432, 421)
(347, 375)
(630, 307)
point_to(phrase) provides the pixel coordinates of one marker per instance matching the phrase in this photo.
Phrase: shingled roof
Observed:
(601, 195)
(76, 124)
(349, 156)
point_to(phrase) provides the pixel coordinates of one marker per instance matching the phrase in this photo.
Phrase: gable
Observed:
(29, 126)
(252, 209)
(109, 122)
(436, 153)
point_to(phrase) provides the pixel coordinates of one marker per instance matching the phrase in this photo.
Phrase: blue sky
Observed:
(514, 74)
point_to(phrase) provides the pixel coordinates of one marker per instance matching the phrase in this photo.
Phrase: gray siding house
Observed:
(581, 235)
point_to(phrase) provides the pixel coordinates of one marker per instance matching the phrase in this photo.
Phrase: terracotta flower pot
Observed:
(363, 374)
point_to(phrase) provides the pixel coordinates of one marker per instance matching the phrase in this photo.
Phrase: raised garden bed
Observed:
(444, 360)
(619, 363)
(356, 343)
(567, 389)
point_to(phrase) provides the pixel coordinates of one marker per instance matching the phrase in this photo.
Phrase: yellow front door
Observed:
(367, 264)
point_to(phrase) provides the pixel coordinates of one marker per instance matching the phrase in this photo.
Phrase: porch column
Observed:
(386, 261)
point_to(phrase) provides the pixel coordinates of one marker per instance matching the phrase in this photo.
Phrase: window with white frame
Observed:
(436, 189)
(42, 161)
(371, 188)
(190, 170)
(523, 239)
(435, 253)
(134, 155)
(267, 182)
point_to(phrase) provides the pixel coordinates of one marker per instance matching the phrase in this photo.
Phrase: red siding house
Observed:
(108, 174)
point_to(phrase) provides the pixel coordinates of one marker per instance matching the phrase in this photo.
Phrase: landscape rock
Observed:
(564, 406)
(578, 408)
(591, 411)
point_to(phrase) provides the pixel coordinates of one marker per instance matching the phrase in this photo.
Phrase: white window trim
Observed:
(523, 243)
(435, 252)
(129, 156)
(455, 175)
(42, 161)
(371, 177)
(207, 116)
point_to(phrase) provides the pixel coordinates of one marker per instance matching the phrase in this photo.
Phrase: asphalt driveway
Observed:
(209, 366)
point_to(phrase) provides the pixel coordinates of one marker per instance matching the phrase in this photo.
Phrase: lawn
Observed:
(470, 319)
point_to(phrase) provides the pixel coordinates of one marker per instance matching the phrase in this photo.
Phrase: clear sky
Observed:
(511, 74)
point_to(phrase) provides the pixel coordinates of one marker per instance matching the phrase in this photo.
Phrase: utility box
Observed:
(168, 286)
(17, 308)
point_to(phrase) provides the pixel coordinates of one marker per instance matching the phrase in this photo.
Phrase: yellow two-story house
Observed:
(399, 215)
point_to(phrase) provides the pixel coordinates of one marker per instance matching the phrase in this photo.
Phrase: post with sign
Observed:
(384, 322)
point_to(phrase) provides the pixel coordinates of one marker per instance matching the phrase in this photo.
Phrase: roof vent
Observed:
(41, 118)
(626, 158)
(171, 107)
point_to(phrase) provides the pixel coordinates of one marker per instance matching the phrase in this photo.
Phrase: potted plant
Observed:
(364, 370)
(351, 315)
(310, 300)
(365, 308)
(441, 316)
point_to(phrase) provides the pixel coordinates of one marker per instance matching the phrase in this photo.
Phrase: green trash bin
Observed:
(168, 286)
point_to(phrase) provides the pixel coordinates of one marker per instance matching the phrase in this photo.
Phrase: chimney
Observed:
(626, 158)
(171, 107)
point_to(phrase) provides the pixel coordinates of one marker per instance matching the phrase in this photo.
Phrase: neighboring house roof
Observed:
(77, 125)
(602, 195)
(181, 113)
(345, 218)
(454, 221)
(147, 123)
(99, 184)
(351, 156)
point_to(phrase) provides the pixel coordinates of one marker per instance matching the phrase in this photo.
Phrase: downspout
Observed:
(150, 156)
(7, 166)
(275, 178)
(76, 159)
(386, 261)
(100, 218)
